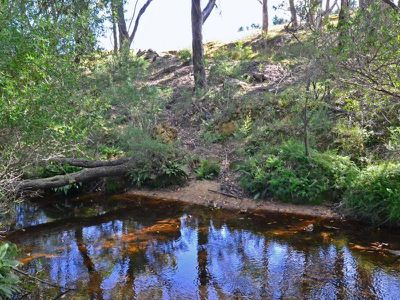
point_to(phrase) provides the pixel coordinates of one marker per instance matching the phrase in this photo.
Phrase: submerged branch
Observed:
(41, 280)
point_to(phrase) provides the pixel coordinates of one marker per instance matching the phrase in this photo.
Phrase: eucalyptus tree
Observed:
(293, 14)
(265, 18)
(198, 17)
(126, 35)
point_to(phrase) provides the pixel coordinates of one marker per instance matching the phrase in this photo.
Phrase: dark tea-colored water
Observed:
(121, 248)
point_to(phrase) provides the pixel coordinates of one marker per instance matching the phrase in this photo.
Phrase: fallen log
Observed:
(94, 170)
(84, 163)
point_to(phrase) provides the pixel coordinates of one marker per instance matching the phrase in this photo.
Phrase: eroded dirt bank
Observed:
(207, 193)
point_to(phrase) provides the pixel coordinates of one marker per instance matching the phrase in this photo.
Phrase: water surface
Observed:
(122, 248)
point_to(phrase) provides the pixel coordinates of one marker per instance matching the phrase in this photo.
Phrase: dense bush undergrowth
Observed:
(374, 195)
(284, 172)
(287, 174)
(155, 164)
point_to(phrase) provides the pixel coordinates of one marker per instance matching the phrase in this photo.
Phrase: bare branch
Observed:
(140, 14)
(392, 5)
(133, 15)
(208, 9)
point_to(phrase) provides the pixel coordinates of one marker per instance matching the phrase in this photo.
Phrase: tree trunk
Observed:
(306, 120)
(94, 170)
(327, 11)
(344, 11)
(265, 17)
(327, 6)
(311, 14)
(122, 29)
(197, 46)
(115, 38)
(126, 39)
(114, 26)
(293, 14)
(344, 15)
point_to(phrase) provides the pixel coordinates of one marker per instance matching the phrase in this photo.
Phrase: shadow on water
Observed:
(119, 248)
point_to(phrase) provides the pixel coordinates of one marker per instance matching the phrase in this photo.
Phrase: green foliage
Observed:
(278, 21)
(287, 174)
(155, 164)
(247, 126)
(117, 82)
(54, 169)
(114, 186)
(8, 280)
(225, 68)
(230, 61)
(68, 189)
(394, 138)
(351, 139)
(185, 55)
(42, 100)
(208, 169)
(374, 195)
(109, 152)
(239, 52)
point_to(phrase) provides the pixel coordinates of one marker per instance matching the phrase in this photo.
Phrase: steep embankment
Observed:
(210, 125)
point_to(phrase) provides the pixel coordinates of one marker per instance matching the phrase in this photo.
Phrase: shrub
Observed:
(185, 55)
(155, 164)
(351, 139)
(208, 169)
(225, 68)
(287, 174)
(54, 169)
(374, 195)
(230, 61)
(8, 280)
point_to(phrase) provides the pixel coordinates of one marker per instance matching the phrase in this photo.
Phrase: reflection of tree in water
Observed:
(95, 278)
(200, 258)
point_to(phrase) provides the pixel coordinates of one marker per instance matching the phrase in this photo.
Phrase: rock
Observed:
(256, 77)
(235, 83)
(149, 54)
(309, 228)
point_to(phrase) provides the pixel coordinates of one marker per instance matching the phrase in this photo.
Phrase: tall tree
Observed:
(198, 19)
(384, 4)
(344, 15)
(114, 25)
(344, 12)
(264, 4)
(265, 16)
(293, 14)
(126, 38)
